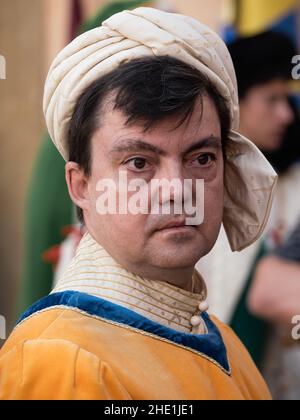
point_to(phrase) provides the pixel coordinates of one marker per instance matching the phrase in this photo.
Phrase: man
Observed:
(150, 96)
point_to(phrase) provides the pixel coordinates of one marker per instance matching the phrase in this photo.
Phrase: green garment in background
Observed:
(48, 210)
(251, 330)
(49, 207)
(111, 9)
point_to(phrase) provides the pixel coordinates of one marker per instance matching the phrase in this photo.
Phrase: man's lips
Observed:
(173, 224)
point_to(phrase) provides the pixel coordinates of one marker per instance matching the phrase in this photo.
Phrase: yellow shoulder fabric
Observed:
(56, 370)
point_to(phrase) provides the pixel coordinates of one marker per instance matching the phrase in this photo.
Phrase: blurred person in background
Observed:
(263, 67)
(275, 293)
(275, 297)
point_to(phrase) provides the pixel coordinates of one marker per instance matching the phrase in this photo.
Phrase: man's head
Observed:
(156, 118)
(263, 65)
(145, 88)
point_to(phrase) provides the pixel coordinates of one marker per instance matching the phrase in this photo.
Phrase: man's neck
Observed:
(179, 277)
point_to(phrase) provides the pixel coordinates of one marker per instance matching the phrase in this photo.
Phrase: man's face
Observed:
(141, 242)
(266, 114)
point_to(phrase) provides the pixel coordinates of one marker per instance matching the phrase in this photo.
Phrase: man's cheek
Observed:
(213, 205)
(128, 225)
(213, 210)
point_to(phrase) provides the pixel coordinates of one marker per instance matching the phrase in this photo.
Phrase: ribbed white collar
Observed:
(95, 272)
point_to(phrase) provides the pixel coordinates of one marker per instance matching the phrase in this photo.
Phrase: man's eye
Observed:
(206, 159)
(137, 163)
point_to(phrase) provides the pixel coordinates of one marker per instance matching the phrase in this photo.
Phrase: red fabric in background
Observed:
(76, 18)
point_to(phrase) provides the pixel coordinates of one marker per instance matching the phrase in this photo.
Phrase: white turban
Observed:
(249, 179)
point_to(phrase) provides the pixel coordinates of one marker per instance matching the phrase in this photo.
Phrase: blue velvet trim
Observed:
(210, 344)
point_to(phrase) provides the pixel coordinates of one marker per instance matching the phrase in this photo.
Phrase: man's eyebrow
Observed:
(131, 145)
(212, 142)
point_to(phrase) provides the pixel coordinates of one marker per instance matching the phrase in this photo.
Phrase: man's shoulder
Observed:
(42, 357)
(48, 366)
(51, 326)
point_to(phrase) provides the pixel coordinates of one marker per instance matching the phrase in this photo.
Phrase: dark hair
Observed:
(147, 90)
(261, 58)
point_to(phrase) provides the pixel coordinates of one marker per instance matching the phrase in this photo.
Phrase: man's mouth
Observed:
(176, 226)
(173, 224)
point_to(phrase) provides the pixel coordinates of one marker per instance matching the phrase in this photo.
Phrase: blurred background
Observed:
(32, 32)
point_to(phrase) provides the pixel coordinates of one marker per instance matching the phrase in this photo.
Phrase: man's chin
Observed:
(177, 260)
(169, 253)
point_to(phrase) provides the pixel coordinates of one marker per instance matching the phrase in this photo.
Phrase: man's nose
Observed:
(172, 170)
(173, 173)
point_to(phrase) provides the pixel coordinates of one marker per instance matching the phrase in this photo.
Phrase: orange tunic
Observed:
(75, 346)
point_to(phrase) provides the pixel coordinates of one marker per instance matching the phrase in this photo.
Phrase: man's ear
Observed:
(77, 182)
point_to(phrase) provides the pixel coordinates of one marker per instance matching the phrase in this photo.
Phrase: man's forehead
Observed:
(204, 123)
